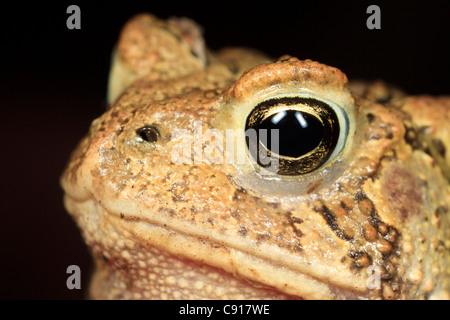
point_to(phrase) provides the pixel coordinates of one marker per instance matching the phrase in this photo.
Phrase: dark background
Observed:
(53, 84)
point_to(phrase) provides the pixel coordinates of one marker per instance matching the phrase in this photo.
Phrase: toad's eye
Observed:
(301, 133)
(148, 133)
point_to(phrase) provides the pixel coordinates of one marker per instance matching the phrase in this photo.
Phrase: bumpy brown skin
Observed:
(159, 230)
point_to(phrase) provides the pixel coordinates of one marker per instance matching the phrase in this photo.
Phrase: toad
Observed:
(229, 175)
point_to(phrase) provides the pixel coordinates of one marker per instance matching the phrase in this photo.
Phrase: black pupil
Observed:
(148, 134)
(299, 132)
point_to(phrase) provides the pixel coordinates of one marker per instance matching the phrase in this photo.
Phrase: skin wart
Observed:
(160, 230)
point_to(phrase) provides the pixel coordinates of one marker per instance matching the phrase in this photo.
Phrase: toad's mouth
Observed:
(141, 258)
(158, 274)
